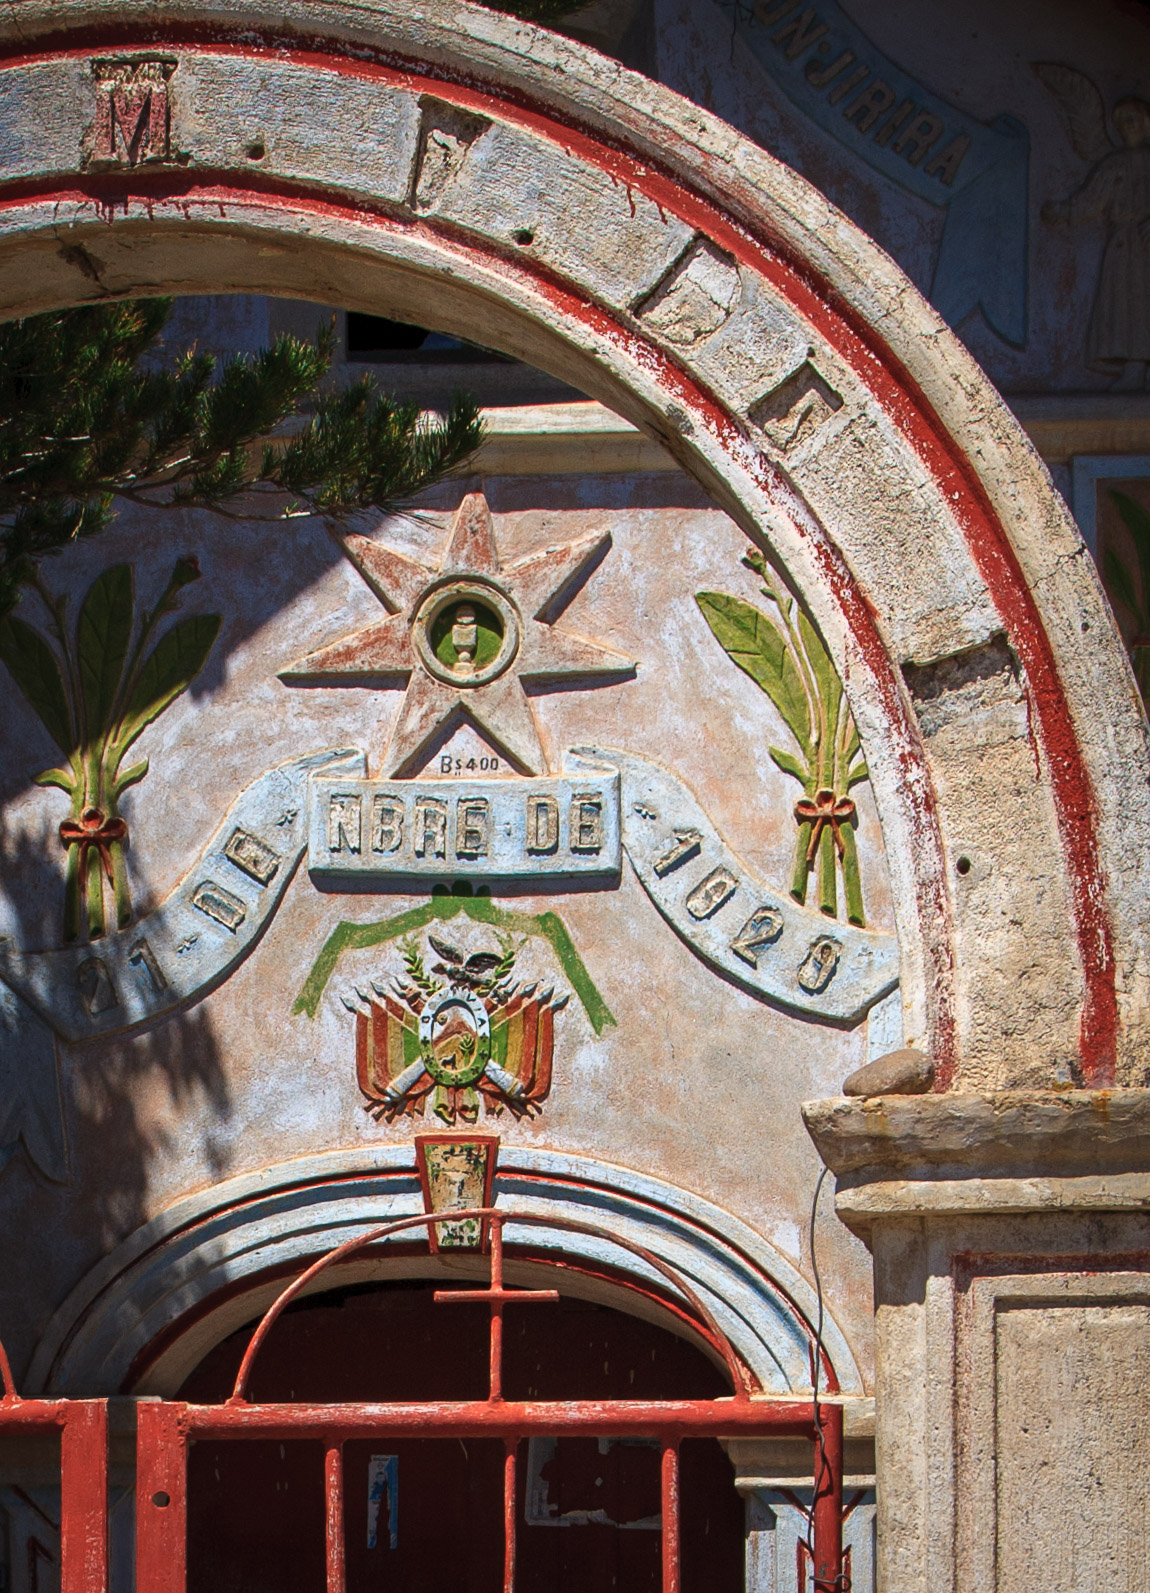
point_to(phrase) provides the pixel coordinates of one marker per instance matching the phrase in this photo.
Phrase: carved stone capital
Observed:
(1011, 1151)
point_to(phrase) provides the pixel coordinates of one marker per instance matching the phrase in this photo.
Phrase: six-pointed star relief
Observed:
(465, 637)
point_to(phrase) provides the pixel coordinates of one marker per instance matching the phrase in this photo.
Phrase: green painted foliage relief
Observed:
(441, 909)
(95, 688)
(785, 657)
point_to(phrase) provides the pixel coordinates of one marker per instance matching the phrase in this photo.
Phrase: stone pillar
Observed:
(1011, 1242)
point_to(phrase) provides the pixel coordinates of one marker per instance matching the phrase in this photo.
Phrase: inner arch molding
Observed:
(150, 1311)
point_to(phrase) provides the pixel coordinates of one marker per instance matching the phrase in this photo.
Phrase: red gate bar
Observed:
(669, 1506)
(509, 1524)
(161, 1499)
(165, 1430)
(83, 1428)
(495, 1294)
(333, 1480)
(496, 1297)
(670, 1419)
(84, 1496)
(828, 1501)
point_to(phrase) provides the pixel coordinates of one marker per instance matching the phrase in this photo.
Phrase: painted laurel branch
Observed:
(786, 658)
(95, 692)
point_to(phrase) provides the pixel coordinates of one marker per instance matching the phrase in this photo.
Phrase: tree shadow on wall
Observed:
(136, 1103)
(89, 1130)
(132, 1105)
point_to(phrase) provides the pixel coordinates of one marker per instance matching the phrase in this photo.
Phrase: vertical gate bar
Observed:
(161, 1498)
(670, 1515)
(333, 1479)
(509, 1449)
(84, 1498)
(496, 1387)
(828, 1502)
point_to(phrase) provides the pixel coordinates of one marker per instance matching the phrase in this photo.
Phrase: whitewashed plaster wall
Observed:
(720, 302)
(697, 1082)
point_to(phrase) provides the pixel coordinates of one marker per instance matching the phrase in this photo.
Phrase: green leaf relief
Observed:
(852, 879)
(792, 766)
(828, 874)
(64, 779)
(481, 910)
(169, 669)
(787, 661)
(829, 692)
(129, 777)
(36, 670)
(760, 650)
(77, 697)
(800, 874)
(103, 636)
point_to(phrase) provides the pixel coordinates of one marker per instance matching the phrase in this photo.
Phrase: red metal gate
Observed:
(167, 1428)
(83, 1428)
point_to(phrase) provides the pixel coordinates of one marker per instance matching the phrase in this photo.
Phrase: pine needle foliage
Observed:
(87, 416)
(1129, 588)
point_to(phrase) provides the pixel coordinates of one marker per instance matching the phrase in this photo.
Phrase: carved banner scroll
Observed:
(544, 828)
(197, 936)
(757, 936)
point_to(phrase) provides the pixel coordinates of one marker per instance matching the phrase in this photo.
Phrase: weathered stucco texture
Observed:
(886, 477)
(697, 1082)
(496, 183)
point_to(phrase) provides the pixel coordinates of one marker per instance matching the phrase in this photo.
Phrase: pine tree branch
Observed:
(84, 420)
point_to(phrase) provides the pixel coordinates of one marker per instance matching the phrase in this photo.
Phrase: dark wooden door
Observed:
(426, 1514)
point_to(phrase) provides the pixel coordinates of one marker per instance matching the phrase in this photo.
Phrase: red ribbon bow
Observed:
(92, 829)
(825, 809)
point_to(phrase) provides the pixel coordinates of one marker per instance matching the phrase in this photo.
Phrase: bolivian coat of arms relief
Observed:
(463, 1033)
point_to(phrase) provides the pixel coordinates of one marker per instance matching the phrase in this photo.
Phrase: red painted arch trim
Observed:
(761, 248)
(655, 1291)
(595, 1179)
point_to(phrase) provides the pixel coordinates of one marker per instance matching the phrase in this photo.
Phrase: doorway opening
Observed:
(421, 1514)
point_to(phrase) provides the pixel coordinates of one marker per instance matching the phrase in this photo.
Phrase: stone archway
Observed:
(149, 1312)
(442, 162)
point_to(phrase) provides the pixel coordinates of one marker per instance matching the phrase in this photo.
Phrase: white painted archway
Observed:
(441, 162)
(149, 1312)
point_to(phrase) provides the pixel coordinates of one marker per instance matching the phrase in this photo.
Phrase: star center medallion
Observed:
(465, 639)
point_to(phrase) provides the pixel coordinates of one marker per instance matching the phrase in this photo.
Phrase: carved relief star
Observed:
(429, 612)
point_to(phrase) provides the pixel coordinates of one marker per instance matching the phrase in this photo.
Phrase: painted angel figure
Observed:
(1116, 191)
